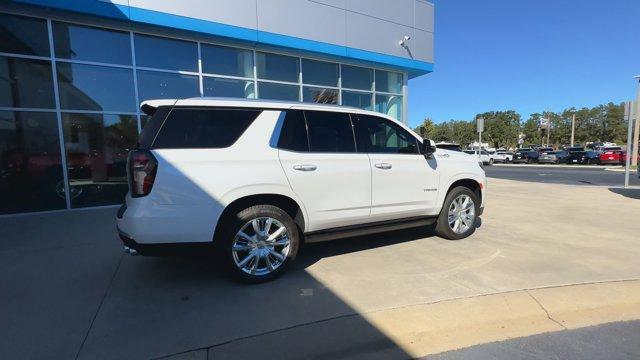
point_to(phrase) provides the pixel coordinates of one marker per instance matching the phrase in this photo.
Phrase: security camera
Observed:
(403, 42)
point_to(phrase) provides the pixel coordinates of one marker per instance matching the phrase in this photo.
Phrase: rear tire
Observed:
(259, 245)
(447, 225)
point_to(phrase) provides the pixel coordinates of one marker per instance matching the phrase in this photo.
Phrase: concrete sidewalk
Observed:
(68, 291)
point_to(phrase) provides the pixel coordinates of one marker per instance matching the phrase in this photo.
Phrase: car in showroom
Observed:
(525, 156)
(249, 181)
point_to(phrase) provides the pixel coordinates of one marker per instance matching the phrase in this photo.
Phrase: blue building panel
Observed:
(254, 37)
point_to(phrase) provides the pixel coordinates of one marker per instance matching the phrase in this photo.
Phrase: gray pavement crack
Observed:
(545, 310)
(104, 296)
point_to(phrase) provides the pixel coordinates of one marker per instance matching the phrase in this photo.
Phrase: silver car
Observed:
(550, 157)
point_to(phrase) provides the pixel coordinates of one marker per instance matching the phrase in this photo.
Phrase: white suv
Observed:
(251, 180)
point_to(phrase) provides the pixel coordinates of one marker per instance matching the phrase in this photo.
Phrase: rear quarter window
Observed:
(198, 128)
(151, 127)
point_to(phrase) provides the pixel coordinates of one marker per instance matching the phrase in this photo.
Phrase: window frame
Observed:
(394, 126)
(153, 144)
(353, 135)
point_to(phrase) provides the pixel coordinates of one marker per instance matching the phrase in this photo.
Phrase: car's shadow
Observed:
(630, 193)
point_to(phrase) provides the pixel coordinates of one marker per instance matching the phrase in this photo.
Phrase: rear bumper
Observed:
(167, 249)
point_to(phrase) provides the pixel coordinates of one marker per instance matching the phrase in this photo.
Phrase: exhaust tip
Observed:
(130, 251)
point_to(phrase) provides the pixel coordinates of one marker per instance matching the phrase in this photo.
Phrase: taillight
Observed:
(142, 172)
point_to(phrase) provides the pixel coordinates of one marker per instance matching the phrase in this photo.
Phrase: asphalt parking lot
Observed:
(546, 258)
(560, 174)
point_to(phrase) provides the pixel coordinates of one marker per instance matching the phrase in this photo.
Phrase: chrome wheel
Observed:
(261, 246)
(462, 214)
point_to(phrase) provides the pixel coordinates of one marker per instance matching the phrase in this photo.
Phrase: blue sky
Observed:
(528, 56)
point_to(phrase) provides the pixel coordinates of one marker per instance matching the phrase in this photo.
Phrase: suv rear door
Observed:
(404, 183)
(318, 153)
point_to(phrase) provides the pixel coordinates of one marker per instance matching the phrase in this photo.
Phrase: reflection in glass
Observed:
(357, 99)
(319, 95)
(91, 44)
(161, 85)
(277, 67)
(319, 73)
(223, 87)
(93, 87)
(30, 163)
(97, 146)
(388, 81)
(354, 77)
(143, 120)
(225, 60)
(273, 91)
(23, 35)
(390, 105)
(163, 53)
(26, 83)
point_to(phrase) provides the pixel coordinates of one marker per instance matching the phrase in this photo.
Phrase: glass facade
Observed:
(69, 96)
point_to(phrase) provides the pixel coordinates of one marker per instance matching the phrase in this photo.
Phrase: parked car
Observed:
(482, 156)
(542, 150)
(251, 180)
(623, 158)
(448, 146)
(575, 155)
(525, 155)
(591, 157)
(551, 157)
(611, 157)
(508, 155)
(496, 157)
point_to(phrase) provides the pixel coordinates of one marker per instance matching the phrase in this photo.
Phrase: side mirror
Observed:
(428, 148)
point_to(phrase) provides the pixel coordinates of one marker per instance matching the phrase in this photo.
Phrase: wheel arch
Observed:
(286, 203)
(470, 181)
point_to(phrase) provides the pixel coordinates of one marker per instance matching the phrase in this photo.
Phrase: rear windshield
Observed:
(523, 150)
(197, 128)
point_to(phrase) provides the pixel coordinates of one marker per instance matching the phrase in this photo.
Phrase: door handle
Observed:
(383, 166)
(305, 167)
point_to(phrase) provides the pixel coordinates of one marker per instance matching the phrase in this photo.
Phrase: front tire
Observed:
(457, 219)
(260, 244)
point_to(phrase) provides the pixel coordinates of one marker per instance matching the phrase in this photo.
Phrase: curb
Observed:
(430, 328)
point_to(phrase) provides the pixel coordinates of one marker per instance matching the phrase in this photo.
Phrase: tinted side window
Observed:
(329, 132)
(195, 128)
(293, 135)
(377, 135)
(152, 126)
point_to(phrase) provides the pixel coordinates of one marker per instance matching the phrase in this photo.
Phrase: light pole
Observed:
(636, 131)
(632, 141)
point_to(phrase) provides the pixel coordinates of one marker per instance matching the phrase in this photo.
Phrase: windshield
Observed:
(523, 150)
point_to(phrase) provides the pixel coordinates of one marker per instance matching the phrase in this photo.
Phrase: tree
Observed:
(426, 129)
(501, 128)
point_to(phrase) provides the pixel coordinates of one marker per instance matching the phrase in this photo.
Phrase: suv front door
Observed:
(317, 151)
(404, 182)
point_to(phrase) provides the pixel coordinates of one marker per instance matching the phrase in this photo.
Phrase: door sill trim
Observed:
(368, 228)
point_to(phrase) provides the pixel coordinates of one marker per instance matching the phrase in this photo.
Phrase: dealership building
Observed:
(73, 73)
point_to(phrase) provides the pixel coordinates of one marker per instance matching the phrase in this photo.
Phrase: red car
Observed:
(623, 158)
(611, 157)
